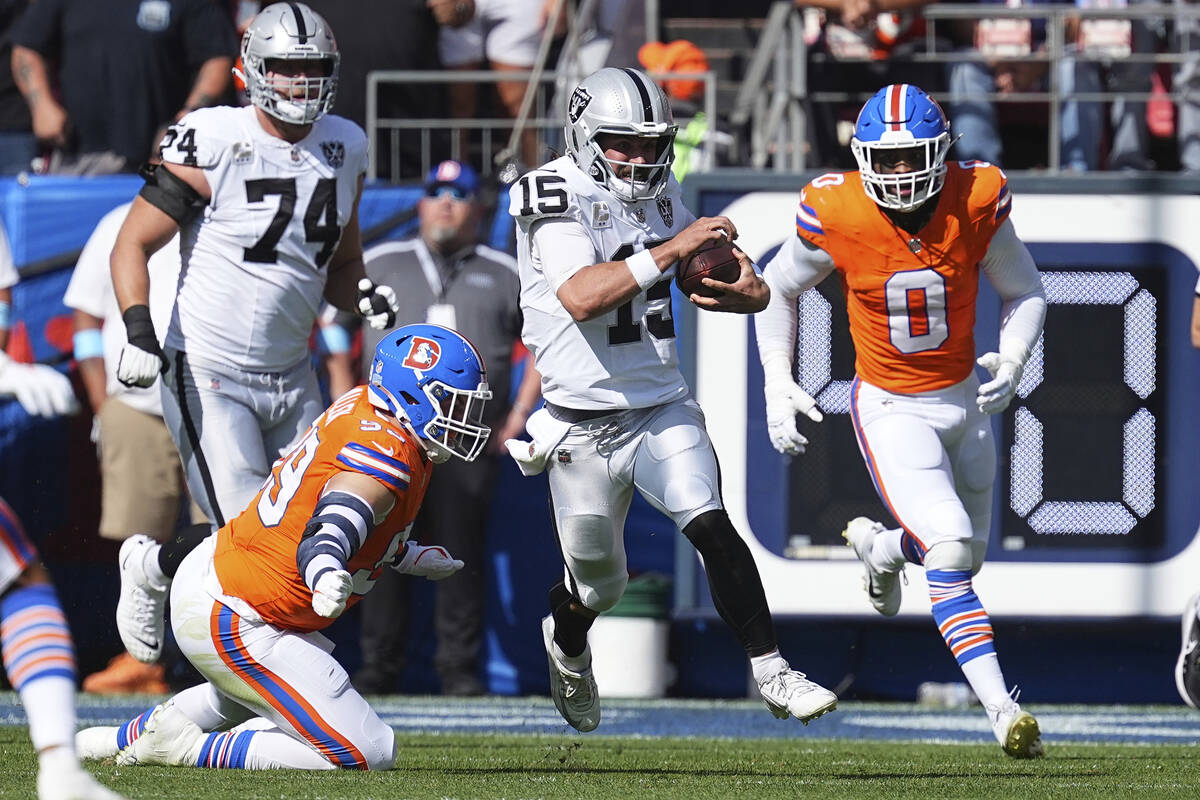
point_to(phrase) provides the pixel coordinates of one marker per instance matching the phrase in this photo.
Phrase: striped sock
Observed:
(959, 615)
(225, 750)
(40, 661)
(128, 733)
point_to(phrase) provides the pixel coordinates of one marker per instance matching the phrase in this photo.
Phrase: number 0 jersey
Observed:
(255, 558)
(255, 262)
(625, 358)
(910, 298)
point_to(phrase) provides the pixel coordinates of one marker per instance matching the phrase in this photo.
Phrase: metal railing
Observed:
(775, 93)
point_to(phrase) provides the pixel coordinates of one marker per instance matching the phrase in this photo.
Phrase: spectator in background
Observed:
(856, 47)
(1186, 39)
(102, 80)
(40, 389)
(17, 146)
(973, 115)
(1097, 60)
(142, 483)
(392, 35)
(504, 34)
(444, 276)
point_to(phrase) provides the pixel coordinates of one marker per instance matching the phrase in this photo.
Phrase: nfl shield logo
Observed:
(640, 215)
(335, 153)
(563, 456)
(666, 211)
(578, 102)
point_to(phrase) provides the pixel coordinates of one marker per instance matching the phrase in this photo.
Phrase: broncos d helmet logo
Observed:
(423, 354)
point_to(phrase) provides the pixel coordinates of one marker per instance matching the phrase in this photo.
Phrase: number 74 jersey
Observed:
(910, 298)
(625, 358)
(255, 261)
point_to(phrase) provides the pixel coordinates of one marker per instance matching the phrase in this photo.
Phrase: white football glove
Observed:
(431, 562)
(41, 390)
(785, 399)
(331, 593)
(377, 304)
(995, 395)
(136, 367)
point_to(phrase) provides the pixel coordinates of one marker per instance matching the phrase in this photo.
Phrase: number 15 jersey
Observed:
(625, 358)
(255, 261)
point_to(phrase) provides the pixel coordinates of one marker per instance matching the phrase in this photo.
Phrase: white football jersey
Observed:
(625, 358)
(255, 262)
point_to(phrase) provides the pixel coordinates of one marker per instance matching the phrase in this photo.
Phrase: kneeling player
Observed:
(247, 604)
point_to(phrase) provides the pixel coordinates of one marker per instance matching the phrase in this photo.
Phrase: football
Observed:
(718, 262)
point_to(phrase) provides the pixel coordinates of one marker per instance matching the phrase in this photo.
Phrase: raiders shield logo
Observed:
(579, 101)
(335, 153)
(666, 210)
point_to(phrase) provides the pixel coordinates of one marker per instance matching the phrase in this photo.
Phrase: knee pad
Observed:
(954, 554)
(595, 563)
(976, 467)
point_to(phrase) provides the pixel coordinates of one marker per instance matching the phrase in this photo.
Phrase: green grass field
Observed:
(572, 766)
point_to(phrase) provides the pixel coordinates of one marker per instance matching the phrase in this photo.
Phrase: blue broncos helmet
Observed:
(896, 117)
(436, 378)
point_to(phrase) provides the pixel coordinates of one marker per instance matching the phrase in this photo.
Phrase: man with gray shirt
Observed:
(444, 276)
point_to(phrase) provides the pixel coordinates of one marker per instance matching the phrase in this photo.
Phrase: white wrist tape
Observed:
(645, 270)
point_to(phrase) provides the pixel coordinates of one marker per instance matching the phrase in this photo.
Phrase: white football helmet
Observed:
(621, 101)
(289, 32)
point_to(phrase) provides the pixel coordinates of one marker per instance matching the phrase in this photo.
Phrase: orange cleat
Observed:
(126, 675)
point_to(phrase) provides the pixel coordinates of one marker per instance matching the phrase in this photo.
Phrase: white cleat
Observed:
(169, 739)
(93, 744)
(791, 694)
(71, 784)
(1187, 666)
(882, 587)
(574, 692)
(1016, 730)
(140, 608)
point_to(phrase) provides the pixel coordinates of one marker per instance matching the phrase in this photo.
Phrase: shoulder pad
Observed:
(200, 137)
(540, 194)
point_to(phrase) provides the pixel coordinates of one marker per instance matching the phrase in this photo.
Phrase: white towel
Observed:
(547, 432)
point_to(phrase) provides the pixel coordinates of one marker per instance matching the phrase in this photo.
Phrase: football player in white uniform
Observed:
(266, 200)
(600, 231)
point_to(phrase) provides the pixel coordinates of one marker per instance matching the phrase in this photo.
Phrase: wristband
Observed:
(88, 343)
(5, 314)
(139, 328)
(645, 270)
(335, 338)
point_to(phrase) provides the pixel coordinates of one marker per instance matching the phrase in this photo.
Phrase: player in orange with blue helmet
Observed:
(909, 235)
(248, 603)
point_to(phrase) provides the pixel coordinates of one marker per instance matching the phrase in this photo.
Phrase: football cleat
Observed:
(141, 604)
(94, 744)
(71, 784)
(126, 675)
(790, 694)
(169, 739)
(574, 692)
(883, 588)
(1016, 730)
(1187, 668)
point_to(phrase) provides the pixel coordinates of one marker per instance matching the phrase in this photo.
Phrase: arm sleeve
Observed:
(339, 525)
(1011, 271)
(560, 247)
(795, 269)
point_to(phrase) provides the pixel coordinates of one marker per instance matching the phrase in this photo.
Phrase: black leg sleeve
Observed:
(572, 620)
(733, 581)
(174, 550)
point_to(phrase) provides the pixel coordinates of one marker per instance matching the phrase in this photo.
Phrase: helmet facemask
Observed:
(643, 181)
(903, 191)
(458, 428)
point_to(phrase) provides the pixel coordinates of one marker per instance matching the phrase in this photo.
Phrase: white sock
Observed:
(767, 666)
(986, 679)
(578, 663)
(152, 569)
(274, 749)
(50, 706)
(886, 554)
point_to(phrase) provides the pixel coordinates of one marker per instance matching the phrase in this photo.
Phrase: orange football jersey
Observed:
(255, 557)
(910, 298)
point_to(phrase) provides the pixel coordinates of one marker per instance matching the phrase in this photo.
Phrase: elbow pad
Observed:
(169, 194)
